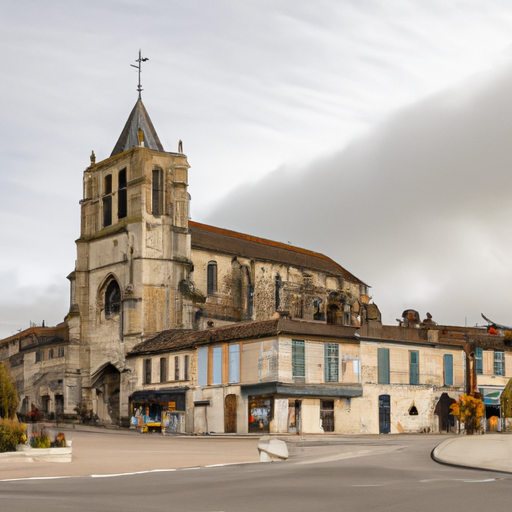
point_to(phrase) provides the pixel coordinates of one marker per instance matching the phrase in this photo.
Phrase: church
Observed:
(144, 268)
(190, 328)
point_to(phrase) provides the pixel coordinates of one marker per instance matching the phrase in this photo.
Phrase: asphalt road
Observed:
(385, 473)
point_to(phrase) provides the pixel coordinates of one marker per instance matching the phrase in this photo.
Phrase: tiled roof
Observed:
(179, 339)
(137, 120)
(215, 239)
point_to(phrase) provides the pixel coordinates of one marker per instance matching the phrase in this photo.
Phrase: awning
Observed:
(491, 396)
(305, 390)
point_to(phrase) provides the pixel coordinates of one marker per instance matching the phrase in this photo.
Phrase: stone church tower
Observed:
(133, 256)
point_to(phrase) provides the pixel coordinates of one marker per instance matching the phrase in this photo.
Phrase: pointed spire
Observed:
(138, 120)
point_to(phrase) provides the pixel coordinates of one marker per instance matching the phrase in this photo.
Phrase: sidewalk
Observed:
(489, 451)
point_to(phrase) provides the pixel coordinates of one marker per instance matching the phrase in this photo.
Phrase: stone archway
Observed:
(106, 385)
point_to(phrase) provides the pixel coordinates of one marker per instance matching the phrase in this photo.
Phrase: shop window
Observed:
(147, 371)
(185, 367)
(157, 193)
(212, 277)
(217, 365)
(202, 366)
(176, 368)
(163, 369)
(414, 367)
(479, 361)
(327, 415)
(331, 357)
(448, 370)
(499, 362)
(112, 299)
(383, 365)
(298, 359)
(234, 363)
(121, 195)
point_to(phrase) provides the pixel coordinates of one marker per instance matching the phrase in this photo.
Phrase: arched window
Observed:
(112, 299)
(212, 277)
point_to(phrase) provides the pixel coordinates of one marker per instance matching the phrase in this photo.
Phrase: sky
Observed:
(377, 133)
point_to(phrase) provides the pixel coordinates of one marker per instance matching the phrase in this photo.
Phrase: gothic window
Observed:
(212, 277)
(278, 291)
(157, 193)
(121, 195)
(107, 201)
(112, 299)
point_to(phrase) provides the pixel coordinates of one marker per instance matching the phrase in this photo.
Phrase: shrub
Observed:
(41, 440)
(11, 434)
(469, 410)
(8, 395)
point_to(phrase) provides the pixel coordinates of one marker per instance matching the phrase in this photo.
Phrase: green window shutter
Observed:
(383, 364)
(414, 367)
(298, 358)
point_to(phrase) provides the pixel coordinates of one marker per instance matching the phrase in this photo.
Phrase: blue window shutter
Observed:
(217, 365)
(202, 366)
(383, 364)
(234, 363)
(448, 370)
(479, 360)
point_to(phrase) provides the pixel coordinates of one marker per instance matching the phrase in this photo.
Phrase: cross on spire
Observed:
(140, 60)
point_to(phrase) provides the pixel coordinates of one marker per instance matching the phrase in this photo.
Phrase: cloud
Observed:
(420, 208)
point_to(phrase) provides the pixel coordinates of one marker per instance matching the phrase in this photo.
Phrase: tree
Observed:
(469, 410)
(8, 395)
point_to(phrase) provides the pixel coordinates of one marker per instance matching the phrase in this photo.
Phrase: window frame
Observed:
(499, 363)
(331, 362)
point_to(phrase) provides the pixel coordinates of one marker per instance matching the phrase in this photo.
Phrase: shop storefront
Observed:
(161, 410)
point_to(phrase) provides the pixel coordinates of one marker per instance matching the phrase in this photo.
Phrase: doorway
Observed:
(384, 414)
(230, 414)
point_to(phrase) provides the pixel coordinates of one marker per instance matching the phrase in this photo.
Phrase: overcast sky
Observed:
(378, 133)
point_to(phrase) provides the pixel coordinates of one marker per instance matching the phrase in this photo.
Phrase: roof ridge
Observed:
(266, 241)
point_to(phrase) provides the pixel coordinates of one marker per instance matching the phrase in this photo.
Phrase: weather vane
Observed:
(140, 60)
